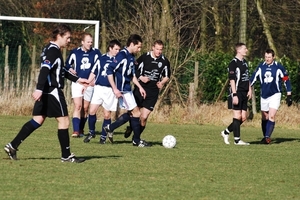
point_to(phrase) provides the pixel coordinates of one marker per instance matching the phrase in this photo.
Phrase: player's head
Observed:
(157, 48)
(134, 43)
(61, 35)
(269, 56)
(86, 41)
(241, 49)
(114, 47)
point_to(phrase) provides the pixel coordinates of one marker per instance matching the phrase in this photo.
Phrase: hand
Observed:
(143, 92)
(83, 81)
(144, 79)
(117, 93)
(235, 100)
(289, 100)
(72, 71)
(159, 85)
(36, 95)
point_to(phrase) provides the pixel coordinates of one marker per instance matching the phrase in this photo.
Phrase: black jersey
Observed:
(154, 68)
(238, 71)
(52, 70)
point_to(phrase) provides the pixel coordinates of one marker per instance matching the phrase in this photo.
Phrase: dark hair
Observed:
(60, 29)
(270, 51)
(135, 39)
(112, 43)
(238, 45)
(85, 34)
(159, 42)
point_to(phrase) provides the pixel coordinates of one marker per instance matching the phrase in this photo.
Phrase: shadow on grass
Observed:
(276, 140)
(85, 157)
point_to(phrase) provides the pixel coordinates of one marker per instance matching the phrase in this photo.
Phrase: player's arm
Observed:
(166, 76)
(111, 71)
(232, 77)
(141, 89)
(139, 66)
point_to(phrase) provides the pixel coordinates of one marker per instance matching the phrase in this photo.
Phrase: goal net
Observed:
(21, 42)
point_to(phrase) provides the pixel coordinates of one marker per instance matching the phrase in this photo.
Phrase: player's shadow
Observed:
(85, 157)
(276, 140)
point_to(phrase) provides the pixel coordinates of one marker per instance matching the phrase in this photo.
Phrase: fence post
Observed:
(6, 70)
(32, 73)
(19, 69)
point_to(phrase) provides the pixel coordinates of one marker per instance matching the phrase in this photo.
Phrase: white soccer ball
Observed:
(169, 141)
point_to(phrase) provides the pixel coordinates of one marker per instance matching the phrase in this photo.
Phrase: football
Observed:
(169, 141)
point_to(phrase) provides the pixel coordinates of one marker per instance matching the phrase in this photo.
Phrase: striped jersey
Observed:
(123, 70)
(154, 68)
(271, 78)
(82, 61)
(52, 72)
(100, 70)
(239, 72)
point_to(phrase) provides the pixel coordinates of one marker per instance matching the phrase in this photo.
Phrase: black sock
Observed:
(64, 141)
(136, 128)
(236, 129)
(230, 127)
(25, 131)
(119, 122)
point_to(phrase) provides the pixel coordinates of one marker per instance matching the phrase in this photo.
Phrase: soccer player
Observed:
(152, 71)
(271, 75)
(49, 97)
(240, 93)
(103, 93)
(122, 68)
(80, 61)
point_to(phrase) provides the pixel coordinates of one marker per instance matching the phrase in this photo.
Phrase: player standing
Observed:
(152, 71)
(271, 75)
(80, 61)
(49, 97)
(103, 93)
(240, 92)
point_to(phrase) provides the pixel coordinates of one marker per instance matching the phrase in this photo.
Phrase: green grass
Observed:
(201, 166)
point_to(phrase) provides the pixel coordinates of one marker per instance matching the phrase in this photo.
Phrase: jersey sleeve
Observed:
(138, 65)
(115, 63)
(232, 70)
(70, 60)
(167, 70)
(285, 78)
(255, 75)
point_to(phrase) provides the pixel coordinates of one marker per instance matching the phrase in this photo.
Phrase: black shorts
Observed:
(52, 104)
(243, 101)
(150, 100)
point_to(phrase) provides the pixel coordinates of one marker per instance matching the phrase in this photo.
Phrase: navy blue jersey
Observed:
(238, 71)
(271, 78)
(82, 62)
(122, 68)
(154, 68)
(100, 70)
(52, 70)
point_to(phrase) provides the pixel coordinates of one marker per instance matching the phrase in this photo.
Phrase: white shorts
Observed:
(127, 101)
(270, 102)
(77, 89)
(105, 96)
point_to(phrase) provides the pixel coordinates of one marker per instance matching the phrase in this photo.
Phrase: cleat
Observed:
(76, 134)
(11, 152)
(102, 141)
(72, 158)
(89, 137)
(127, 132)
(241, 142)
(109, 133)
(225, 137)
(266, 140)
(142, 143)
(81, 133)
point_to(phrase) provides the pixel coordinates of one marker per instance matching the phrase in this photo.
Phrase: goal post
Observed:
(55, 20)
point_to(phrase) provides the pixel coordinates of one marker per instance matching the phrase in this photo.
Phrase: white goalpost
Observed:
(54, 20)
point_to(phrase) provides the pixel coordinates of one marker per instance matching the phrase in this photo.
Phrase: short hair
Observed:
(238, 45)
(60, 29)
(135, 39)
(112, 43)
(84, 34)
(270, 51)
(159, 42)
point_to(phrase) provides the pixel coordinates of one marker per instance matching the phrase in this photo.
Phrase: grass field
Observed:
(201, 166)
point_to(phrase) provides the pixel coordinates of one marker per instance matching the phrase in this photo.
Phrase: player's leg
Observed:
(106, 121)
(25, 131)
(92, 122)
(87, 96)
(77, 97)
(143, 118)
